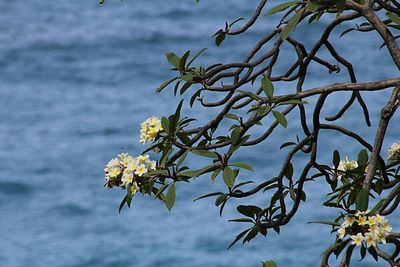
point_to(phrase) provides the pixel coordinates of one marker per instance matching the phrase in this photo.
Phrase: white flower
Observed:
(134, 188)
(114, 172)
(357, 239)
(371, 239)
(149, 129)
(385, 226)
(346, 165)
(140, 170)
(394, 152)
(127, 178)
(341, 232)
(348, 221)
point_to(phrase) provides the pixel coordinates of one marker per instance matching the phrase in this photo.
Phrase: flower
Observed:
(374, 229)
(114, 172)
(341, 232)
(149, 129)
(357, 239)
(348, 221)
(372, 220)
(371, 239)
(394, 152)
(125, 159)
(127, 178)
(126, 170)
(346, 165)
(140, 170)
(385, 226)
(382, 237)
(368, 230)
(362, 220)
(134, 188)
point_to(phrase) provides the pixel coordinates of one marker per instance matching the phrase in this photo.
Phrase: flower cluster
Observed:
(149, 129)
(346, 165)
(126, 170)
(364, 229)
(394, 152)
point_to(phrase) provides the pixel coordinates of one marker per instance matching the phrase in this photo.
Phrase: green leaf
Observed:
(332, 223)
(235, 135)
(196, 56)
(280, 8)
(208, 195)
(205, 153)
(165, 124)
(249, 210)
(393, 17)
(220, 199)
(313, 6)
(362, 157)
(231, 116)
(280, 118)
(267, 87)
(165, 84)
(160, 190)
(170, 197)
(122, 204)
(220, 38)
(268, 264)
(182, 62)
(377, 206)
(341, 5)
(291, 24)
(173, 59)
(185, 87)
(238, 237)
(243, 166)
(229, 177)
(362, 200)
(336, 159)
(215, 174)
(241, 220)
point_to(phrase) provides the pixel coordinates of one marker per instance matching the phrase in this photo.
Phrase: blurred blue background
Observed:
(76, 80)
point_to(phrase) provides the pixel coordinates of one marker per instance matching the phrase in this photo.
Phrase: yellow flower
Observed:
(362, 220)
(125, 159)
(374, 229)
(372, 220)
(140, 170)
(385, 226)
(348, 221)
(127, 178)
(382, 237)
(370, 239)
(379, 218)
(341, 232)
(346, 165)
(394, 152)
(132, 166)
(134, 188)
(112, 163)
(357, 239)
(149, 129)
(143, 158)
(114, 172)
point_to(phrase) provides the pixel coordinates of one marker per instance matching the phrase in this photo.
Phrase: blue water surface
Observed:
(76, 80)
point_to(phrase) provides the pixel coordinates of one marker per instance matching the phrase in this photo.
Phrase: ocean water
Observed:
(77, 79)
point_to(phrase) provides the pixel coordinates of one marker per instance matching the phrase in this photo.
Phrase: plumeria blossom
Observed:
(346, 165)
(126, 170)
(365, 229)
(394, 152)
(149, 129)
(357, 239)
